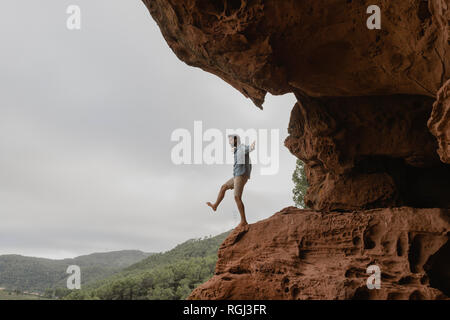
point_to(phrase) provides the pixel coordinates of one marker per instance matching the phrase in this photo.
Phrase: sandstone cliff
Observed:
(301, 254)
(371, 124)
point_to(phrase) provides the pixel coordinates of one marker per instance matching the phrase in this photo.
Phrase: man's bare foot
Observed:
(212, 206)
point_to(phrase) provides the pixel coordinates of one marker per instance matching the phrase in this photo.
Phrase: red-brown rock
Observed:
(368, 152)
(320, 47)
(439, 122)
(301, 254)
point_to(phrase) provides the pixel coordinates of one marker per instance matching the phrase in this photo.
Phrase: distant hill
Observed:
(169, 275)
(37, 274)
(11, 295)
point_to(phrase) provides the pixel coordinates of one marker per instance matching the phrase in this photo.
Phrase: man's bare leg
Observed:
(220, 197)
(241, 209)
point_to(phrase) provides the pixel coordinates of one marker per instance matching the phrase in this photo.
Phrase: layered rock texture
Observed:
(439, 123)
(321, 47)
(371, 125)
(371, 152)
(301, 254)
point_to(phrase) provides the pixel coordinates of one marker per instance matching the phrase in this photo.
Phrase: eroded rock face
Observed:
(439, 122)
(368, 152)
(320, 47)
(300, 254)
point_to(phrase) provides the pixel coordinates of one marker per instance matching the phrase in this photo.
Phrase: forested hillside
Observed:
(170, 275)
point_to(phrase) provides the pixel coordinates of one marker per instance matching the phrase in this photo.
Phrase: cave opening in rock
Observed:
(417, 186)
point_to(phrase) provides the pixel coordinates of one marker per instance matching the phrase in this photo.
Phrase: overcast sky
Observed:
(86, 119)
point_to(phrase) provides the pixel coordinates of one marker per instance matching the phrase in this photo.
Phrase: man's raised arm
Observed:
(251, 148)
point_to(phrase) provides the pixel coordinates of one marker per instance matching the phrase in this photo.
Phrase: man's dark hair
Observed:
(236, 139)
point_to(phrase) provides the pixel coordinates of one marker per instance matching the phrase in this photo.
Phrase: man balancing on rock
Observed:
(241, 173)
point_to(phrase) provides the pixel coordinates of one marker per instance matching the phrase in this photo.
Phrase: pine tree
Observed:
(301, 184)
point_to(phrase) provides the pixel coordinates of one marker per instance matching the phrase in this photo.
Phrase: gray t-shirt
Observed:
(242, 165)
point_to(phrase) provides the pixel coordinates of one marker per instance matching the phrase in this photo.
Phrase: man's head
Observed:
(234, 140)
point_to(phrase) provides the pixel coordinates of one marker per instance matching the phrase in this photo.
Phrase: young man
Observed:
(241, 173)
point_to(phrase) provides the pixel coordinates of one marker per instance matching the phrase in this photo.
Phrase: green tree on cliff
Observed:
(301, 184)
